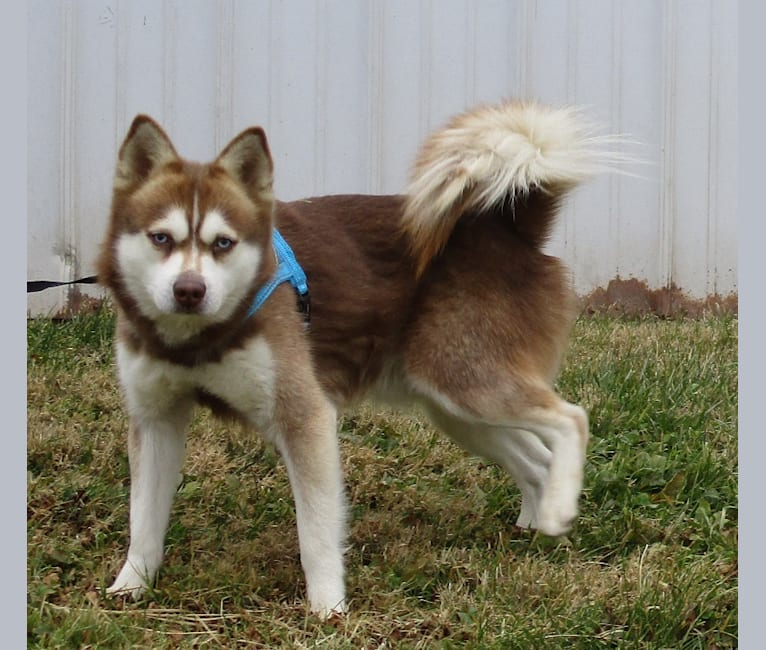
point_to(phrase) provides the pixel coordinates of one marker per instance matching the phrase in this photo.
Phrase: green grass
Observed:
(434, 558)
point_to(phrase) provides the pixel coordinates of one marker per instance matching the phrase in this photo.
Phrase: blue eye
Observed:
(223, 243)
(160, 238)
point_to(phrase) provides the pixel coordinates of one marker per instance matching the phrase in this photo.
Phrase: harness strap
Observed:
(288, 270)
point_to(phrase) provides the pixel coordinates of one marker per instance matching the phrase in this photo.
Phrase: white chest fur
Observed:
(244, 379)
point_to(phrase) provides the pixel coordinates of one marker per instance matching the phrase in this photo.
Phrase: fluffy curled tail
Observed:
(489, 157)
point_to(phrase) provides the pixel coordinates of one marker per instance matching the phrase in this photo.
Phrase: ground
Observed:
(434, 559)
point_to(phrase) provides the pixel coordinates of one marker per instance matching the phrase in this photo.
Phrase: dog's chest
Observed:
(243, 380)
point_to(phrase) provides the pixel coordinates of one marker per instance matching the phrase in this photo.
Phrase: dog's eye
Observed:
(223, 243)
(160, 238)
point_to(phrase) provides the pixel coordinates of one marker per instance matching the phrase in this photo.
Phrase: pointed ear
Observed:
(248, 160)
(146, 149)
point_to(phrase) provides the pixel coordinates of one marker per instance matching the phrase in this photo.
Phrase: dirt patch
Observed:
(634, 298)
(78, 304)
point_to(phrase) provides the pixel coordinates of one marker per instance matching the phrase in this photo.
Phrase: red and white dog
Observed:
(441, 297)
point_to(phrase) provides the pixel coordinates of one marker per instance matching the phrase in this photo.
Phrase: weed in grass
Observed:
(434, 559)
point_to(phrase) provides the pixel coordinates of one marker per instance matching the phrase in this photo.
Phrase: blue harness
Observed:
(288, 270)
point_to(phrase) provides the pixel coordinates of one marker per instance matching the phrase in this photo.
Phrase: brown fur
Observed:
(459, 311)
(490, 293)
(494, 303)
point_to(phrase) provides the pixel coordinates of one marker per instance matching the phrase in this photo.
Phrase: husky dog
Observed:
(440, 297)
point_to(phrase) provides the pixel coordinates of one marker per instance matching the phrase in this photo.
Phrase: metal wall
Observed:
(347, 89)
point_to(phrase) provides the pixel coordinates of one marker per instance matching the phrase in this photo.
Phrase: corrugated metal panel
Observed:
(347, 91)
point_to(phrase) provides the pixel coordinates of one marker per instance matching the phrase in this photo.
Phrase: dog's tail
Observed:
(490, 158)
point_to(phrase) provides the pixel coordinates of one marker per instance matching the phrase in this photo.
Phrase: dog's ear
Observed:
(248, 160)
(146, 149)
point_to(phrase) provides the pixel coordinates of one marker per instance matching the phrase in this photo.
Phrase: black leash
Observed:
(39, 285)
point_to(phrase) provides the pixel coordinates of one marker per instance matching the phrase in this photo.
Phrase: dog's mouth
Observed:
(187, 311)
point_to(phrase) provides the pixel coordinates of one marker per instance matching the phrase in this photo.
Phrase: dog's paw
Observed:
(329, 612)
(327, 600)
(129, 583)
(528, 514)
(559, 505)
(556, 517)
(117, 591)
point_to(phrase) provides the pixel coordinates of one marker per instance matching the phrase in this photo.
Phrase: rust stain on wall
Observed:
(634, 298)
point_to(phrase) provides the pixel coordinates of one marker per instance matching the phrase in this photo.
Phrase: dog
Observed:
(441, 297)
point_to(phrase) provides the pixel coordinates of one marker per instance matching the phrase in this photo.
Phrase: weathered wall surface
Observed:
(347, 90)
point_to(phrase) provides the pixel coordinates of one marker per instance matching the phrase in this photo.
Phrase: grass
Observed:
(434, 558)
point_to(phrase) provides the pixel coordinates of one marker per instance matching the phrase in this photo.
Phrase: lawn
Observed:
(434, 559)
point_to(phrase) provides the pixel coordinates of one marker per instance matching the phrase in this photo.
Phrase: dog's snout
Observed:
(189, 290)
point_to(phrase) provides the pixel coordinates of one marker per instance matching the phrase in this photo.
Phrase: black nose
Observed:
(188, 290)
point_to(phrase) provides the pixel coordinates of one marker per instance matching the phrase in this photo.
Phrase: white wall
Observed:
(347, 89)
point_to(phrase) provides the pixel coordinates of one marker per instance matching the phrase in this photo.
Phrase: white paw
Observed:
(326, 610)
(528, 513)
(128, 583)
(557, 516)
(327, 600)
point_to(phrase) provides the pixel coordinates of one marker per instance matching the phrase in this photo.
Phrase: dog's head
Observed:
(188, 243)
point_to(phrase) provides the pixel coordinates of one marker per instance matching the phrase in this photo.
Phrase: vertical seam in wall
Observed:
(270, 69)
(572, 50)
(376, 106)
(320, 116)
(121, 48)
(168, 65)
(231, 53)
(570, 223)
(615, 127)
(470, 40)
(426, 51)
(512, 25)
(68, 138)
(224, 100)
(711, 263)
(667, 196)
(522, 39)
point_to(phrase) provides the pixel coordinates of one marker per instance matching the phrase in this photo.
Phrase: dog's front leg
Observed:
(155, 452)
(312, 456)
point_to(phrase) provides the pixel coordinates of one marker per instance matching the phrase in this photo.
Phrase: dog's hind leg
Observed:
(560, 427)
(309, 448)
(519, 452)
(534, 434)
(563, 427)
(155, 452)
